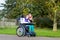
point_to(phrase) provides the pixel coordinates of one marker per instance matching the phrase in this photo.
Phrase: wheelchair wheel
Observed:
(33, 34)
(20, 31)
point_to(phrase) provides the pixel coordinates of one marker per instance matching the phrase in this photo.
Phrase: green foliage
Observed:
(10, 8)
(38, 8)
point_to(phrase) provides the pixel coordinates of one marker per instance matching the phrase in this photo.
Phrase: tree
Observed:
(38, 8)
(54, 6)
(9, 6)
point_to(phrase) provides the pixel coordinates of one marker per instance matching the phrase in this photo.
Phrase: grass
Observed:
(39, 32)
(8, 30)
(47, 33)
(11, 31)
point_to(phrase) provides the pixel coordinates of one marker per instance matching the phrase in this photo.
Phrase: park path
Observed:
(14, 37)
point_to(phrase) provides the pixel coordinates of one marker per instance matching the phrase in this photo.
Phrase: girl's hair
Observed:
(22, 15)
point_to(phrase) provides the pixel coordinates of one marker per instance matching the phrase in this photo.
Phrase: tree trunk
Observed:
(55, 22)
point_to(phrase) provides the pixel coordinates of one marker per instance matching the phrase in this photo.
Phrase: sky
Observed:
(2, 1)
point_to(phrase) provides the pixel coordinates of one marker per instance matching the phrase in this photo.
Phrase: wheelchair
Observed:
(24, 30)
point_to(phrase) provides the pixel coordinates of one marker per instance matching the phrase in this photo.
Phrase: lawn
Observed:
(47, 33)
(10, 31)
(39, 32)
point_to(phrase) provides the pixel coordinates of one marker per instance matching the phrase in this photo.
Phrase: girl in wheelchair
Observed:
(28, 21)
(28, 26)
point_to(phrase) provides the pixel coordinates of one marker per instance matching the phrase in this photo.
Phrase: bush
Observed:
(43, 22)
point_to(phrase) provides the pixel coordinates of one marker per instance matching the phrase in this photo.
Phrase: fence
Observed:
(7, 22)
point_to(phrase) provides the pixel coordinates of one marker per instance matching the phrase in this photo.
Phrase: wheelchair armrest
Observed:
(27, 24)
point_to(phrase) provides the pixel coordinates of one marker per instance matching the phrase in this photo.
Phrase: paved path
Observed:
(14, 37)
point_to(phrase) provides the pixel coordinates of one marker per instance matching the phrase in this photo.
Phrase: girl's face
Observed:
(30, 15)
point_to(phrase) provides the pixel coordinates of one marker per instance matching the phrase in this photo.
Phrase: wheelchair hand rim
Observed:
(20, 31)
